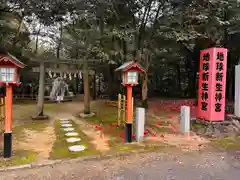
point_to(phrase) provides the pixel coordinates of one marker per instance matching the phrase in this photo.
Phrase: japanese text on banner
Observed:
(205, 80)
(219, 82)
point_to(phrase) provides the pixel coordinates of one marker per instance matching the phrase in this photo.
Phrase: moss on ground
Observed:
(227, 143)
(60, 148)
(103, 114)
(106, 117)
(19, 158)
(197, 126)
(31, 125)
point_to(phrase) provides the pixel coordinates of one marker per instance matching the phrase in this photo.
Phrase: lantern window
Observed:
(132, 77)
(7, 74)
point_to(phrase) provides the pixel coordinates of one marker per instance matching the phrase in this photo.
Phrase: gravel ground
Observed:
(151, 166)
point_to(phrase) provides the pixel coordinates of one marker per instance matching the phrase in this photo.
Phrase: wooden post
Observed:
(2, 108)
(119, 109)
(124, 108)
(132, 105)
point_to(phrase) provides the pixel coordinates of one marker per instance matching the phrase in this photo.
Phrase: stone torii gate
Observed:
(66, 69)
(60, 66)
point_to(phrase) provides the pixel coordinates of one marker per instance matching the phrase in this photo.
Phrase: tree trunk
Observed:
(18, 32)
(86, 88)
(60, 41)
(112, 83)
(99, 84)
(37, 39)
(179, 80)
(40, 103)
(94, 85)
(230, 84)
(146, 61)
(145, 90)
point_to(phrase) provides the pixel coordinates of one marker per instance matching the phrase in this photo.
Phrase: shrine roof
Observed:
(12, 59)
(128, 65)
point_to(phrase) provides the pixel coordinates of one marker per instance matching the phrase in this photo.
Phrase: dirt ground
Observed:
(42, 141)
(168, 121)
(39, 142)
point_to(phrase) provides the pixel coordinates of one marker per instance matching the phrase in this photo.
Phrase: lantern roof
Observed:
(127, 66)
(9, 59)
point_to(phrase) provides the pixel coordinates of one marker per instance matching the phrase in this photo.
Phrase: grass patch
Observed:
(228, 143)
(104, 114)
(19, 158)
(60, 148)
(197, 126)
(126, 147)
(137, 147)
(24, 112)
(54, 107)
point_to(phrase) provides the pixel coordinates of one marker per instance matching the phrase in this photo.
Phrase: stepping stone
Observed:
(76, 148)
(65, 122)
(73, 140)
(64, 119)
(66, 125)
(68, 129)
(71, 134)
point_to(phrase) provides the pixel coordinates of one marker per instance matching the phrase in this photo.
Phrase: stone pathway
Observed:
(71, 136)
(99, 140)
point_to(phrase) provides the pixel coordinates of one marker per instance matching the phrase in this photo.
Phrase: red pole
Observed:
(8, 103)
(7, 152)
(129, 115)
(129, 104)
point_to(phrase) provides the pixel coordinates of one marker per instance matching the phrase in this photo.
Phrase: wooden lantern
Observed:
(9, 70)
(130, 72)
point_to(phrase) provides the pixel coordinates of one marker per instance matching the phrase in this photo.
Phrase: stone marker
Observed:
(140, 123)
(185, 120)
(237, 92)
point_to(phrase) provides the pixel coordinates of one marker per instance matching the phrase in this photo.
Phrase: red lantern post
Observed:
(130, 72)
(9, 76)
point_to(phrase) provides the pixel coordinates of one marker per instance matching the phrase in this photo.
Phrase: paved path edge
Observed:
(86, 158)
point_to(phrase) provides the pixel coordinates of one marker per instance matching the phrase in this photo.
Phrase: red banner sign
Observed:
(212, 81)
